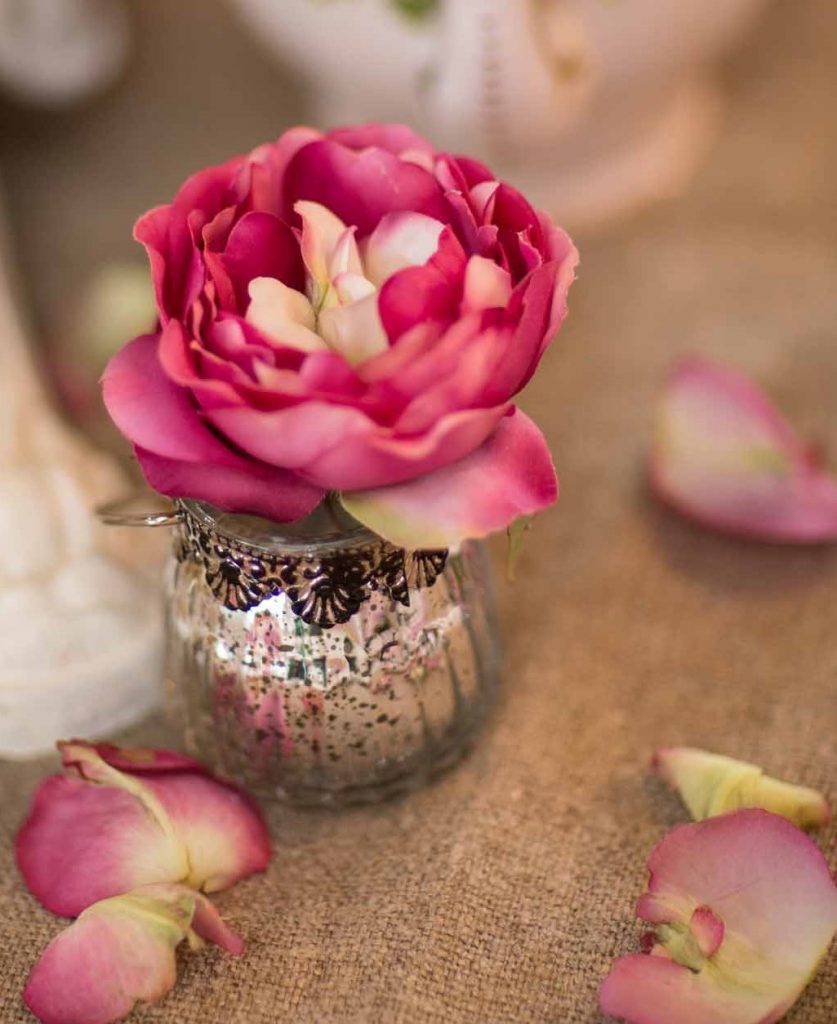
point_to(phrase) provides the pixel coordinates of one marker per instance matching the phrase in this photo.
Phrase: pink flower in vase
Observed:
(352, 313)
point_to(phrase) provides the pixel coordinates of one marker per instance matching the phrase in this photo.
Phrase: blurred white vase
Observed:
(80, 605)
(53, 52)
(594, 107)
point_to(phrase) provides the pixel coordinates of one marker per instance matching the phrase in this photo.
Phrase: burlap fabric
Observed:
(501, 894)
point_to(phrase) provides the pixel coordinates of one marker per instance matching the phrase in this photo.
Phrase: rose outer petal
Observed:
(725, 457)
(509, 476)
(119, 952)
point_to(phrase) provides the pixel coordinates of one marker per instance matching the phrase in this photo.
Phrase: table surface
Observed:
(503, 892)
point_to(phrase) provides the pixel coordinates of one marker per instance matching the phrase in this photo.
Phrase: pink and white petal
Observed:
(83, 842)
(381, 457)
(295, 437)
(724, 457)
(354, 331)
(248, 486)
(767, 881)
(509, 476)
(400, 240)
(643, 989)
(220, 827)
(119, 952)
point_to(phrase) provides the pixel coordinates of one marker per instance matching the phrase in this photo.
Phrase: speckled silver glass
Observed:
(319, 664)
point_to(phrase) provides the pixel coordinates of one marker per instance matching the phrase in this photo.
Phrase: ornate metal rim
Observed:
(326, 582)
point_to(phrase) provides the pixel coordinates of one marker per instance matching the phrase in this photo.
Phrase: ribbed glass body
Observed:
(320, 664)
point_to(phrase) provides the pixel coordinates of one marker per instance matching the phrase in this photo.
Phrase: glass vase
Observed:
(318, 663)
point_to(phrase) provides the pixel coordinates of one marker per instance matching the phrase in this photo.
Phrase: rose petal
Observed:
(355, 331)
(377, 457)
(152, 411)
(725, 457)
(711, 784)
(395, 138)
(361, 187)
(400, 240)
(82, 843)
(486, 285)
(114, 829)
(325, 238)
(749, 879)
(119, 952)
(261, 245)
(283, 313)
(509, 476)
(430, 292)
(251, 486)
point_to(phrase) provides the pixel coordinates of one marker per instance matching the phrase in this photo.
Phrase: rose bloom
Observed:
(354, 313)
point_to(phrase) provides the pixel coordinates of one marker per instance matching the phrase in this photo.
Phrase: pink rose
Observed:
(351, 312)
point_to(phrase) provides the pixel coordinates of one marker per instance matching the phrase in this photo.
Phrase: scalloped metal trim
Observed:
(324, 590)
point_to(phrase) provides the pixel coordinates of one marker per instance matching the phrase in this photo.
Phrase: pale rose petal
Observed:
(486, 285)
(345, 259)
(744, 908)
(283, 314)
(509, 476)
(355, 331)
(322, 233)
(115, 829)
(352, 288)
(723, 456)
(400, 240)
(118, 953)
(711, 784)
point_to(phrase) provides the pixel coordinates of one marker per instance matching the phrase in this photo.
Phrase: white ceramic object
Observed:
(53, 52)
(80, 604)
(592, 106)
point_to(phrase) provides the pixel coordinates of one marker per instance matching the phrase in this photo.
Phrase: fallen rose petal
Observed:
(115, 829)
(725, 457)
(509, 476)
(744, 909)
(711, 784)
(119, 952)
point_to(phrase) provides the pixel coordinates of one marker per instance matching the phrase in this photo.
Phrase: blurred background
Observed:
(691, 148)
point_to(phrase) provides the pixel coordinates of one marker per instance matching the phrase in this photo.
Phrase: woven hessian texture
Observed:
(501, 894)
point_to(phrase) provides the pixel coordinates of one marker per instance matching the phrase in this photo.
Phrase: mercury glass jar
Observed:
(318, 663)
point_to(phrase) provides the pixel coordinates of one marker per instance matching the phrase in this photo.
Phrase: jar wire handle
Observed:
(119, 513)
